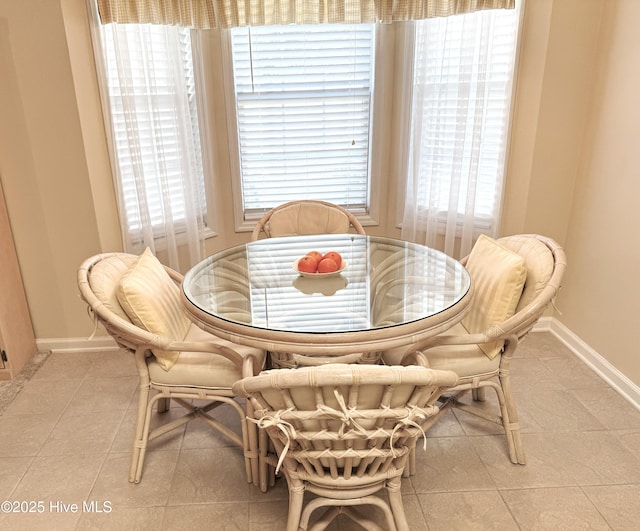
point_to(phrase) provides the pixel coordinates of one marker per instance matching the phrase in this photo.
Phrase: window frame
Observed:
(131, 233)
(482, 224)
(378, 149)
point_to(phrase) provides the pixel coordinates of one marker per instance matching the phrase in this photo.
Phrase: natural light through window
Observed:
(304, 99)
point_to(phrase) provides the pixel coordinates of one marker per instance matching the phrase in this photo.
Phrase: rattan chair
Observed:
(343, 433)
(306, 217)
(468, 352)
(184, 364)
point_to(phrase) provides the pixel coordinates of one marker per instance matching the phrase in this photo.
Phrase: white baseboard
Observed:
(610, 374)
(76, 344)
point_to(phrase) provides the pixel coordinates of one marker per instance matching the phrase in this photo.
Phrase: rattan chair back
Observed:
(306, 217)
(344, 432)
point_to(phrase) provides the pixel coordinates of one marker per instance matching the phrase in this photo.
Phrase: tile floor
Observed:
(65, 439)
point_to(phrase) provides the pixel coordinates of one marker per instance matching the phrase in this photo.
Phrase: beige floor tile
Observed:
(277, 492)
(573, 374)
(13, 468)
(209, 476)
(46, 521)
(24, 435)
(83, 433)
(100, 394)
(269, 516)
(561, 459)
(121, 518)
(483, 510)
(414, 513)
(204, 517)
(532, 374)
(543, 345)
(612, 410)
(553, 508)
(472, 425)
(630, 439)
(123, 440)
(66, 479)
(199, 434)
(48, 397)
(582, 443)
(450, 464)
(113, 363)
(112, 484)
(618, 504)
(552, 411)
(66, 366)
(447, 426)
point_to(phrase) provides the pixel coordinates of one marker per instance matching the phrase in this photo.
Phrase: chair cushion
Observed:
(151, 299)
(498, 276)
(105, 280)
(307, 219)
(539, 261)
(202, 369)
(464, 360)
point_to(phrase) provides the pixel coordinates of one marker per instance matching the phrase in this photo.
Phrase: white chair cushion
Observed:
(464, 360)
(307, 219)
(151, 299)
(498, 276)
(105, 279)
(202, 369)
(539, 261)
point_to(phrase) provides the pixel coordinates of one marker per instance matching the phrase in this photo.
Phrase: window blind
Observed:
(463, 78)
(147, 127)
(303, 102)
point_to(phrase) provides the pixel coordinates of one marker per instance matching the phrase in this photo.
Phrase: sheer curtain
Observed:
(154, 139)
(462, 87)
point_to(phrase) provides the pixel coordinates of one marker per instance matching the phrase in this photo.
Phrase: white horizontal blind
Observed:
(463, 79)
(147, 127)
(303, 101)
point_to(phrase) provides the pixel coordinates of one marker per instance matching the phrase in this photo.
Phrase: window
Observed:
(328, 112)
(154, 124)
(303, 103)
(463, 74)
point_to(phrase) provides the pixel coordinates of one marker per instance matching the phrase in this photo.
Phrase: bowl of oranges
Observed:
(317, 265)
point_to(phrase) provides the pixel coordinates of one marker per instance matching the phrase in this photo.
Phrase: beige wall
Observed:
(569, 167)
(601, 299)
(43, 164)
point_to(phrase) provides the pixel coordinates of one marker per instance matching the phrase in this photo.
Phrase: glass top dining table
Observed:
(390, 293)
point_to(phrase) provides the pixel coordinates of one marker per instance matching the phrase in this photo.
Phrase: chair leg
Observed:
(263, 463)
(296, 499)
(140, 440)
(163, 405)
(478, 394)
(395, 502)
(254, 449)
(510, 421)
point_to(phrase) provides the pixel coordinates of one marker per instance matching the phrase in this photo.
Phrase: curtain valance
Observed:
(205, 14)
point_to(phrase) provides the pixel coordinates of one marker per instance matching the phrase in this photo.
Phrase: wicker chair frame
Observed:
(262, 226)
(343, 433)
(513, 331)
(140, 342)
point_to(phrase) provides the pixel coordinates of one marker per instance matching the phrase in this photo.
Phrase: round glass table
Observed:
(390, 293)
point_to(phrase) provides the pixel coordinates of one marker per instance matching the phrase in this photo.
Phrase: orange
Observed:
(317, 255)
(307, 264)
(327, 265)
(335, 256)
